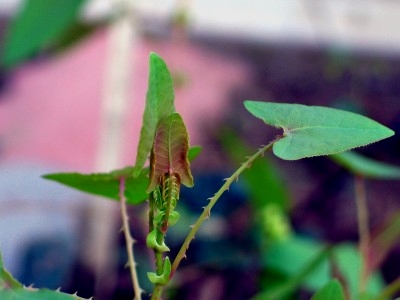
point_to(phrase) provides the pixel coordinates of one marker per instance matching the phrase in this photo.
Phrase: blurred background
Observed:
(73, 82)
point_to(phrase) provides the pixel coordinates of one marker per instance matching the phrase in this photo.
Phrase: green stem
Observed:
(160, 238)
(129, 241)
(363, 230)
(389, 290)
(206, 212)
(159, 259)
(159, 255)
(157, 292)
(151, 212)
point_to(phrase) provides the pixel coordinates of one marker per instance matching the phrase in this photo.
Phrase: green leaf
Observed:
(11, 289)
(159, 105)
(36, 294)
(286, 288)
(296, 253)
(171, 145)
(314, 130)
(107, 184)
(153, 243)
(333, 290)
(6, 279)
(366, 167)
(164, 278)
(38, 24)
(194, 152)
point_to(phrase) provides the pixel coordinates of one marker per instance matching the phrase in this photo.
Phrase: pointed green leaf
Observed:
(314, 130)
(194, 152)
(107, 184)
(153, 243)
(366, 167)
(38, 24)
(159, 105)
(171, 145)
(36, 294)
(11, 289)
(333, 290)
(6, 279)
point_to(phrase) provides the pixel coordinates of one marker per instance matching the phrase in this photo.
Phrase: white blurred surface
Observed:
(32, 208)
(356, 24)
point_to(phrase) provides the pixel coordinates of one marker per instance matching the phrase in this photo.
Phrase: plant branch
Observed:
(363, 230)
(389, 290)
(157, 292)
(207, 210)
(129, 241)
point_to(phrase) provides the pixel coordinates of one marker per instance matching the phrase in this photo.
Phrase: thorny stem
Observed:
(157, 291)
(160, 237)
(129, 241)
(363, 230)
(206, 212)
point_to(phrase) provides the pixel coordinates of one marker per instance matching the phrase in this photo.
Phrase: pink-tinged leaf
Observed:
(170, 152)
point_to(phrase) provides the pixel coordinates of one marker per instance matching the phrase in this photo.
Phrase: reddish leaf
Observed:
(170, 149)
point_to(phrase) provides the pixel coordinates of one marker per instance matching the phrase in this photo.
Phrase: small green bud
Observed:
(151, 242)
(173, 218)
(164, 277)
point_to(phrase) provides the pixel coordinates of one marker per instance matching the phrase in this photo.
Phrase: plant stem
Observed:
(129, 241)
(363, 230)
(160, 237)
(389, 290)
(157, 292)
(206, 212)
(159, 259)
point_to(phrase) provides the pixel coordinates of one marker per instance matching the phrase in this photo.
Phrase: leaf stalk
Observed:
(207, 209)
(363, 229)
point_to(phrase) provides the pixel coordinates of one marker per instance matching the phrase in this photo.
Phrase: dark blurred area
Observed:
(223, 262)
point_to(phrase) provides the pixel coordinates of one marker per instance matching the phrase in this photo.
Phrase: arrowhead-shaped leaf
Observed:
(331, 291)
(366, 167)
(171, 145)
(314, 130)
(38, 24)
(107, 184)
(159, 105)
